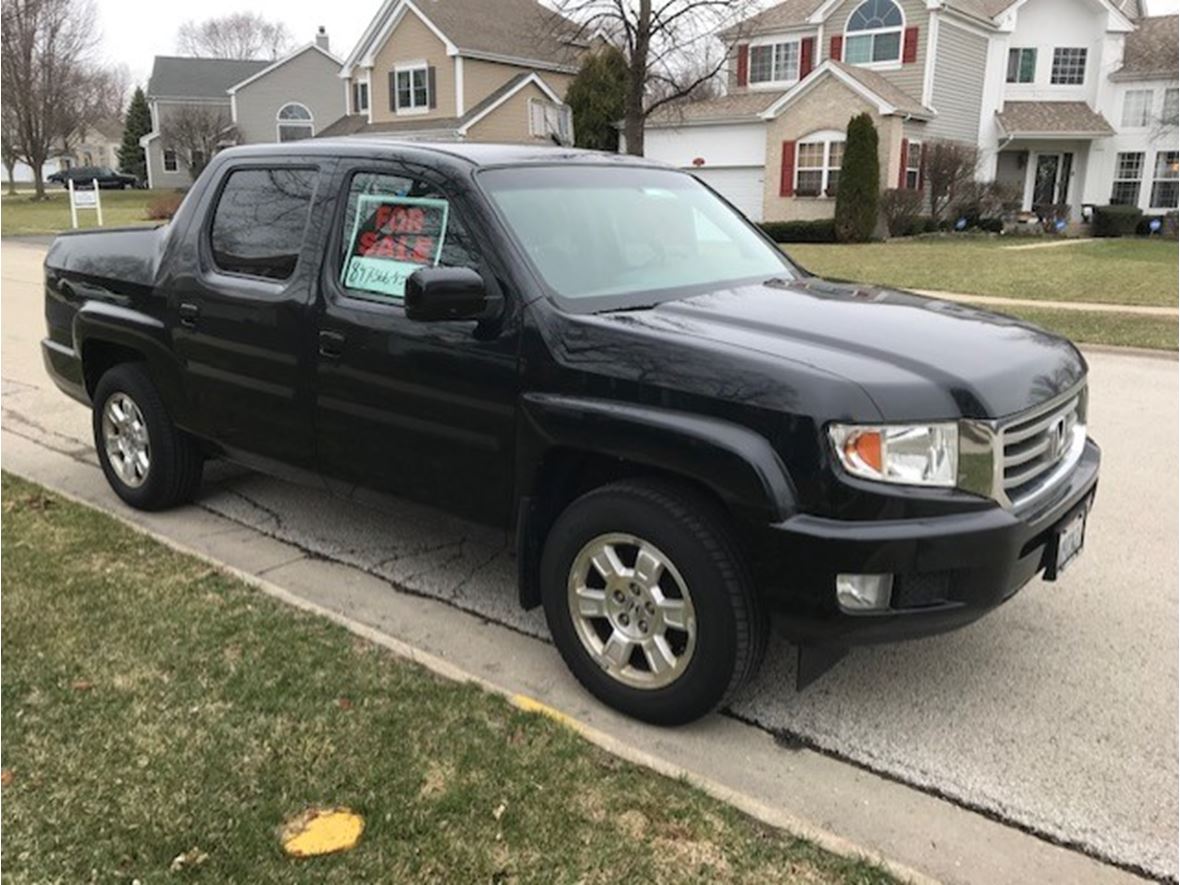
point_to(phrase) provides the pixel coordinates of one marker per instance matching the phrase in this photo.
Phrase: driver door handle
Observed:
(188, 313)
(331, 345)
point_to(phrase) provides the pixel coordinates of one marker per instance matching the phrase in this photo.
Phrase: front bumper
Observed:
(949, 570)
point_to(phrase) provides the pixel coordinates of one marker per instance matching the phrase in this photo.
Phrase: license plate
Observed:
(1070, 539)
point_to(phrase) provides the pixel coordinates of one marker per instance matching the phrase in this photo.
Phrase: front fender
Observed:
(736, 463)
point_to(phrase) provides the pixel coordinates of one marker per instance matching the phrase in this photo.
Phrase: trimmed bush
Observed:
(822, 230)
(1115, 221)
(859, 192)
(901, 208)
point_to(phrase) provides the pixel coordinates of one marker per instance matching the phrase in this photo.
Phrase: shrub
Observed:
(859, 192)
(901, 208)
(991, 224)
(1052, 213)
(1167, 227)
(1115, 221)
(822, 230)
(163, 208)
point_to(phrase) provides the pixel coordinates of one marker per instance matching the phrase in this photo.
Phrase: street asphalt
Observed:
(1056, 714)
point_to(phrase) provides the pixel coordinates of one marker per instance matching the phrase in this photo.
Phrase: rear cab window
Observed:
(260, 221)
(393, 225)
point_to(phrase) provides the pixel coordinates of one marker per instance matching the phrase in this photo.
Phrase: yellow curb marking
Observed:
(321, 831)
(532, 705)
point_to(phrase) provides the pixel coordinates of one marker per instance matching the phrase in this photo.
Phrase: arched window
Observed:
(873, 33)
(295, 122)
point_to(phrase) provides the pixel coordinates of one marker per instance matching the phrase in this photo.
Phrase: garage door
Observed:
(741, 186)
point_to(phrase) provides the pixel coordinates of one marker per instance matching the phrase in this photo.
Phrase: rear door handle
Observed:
(188, 314)
(331, 345)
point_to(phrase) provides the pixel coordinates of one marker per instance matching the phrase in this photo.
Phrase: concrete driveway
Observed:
(1056, 714)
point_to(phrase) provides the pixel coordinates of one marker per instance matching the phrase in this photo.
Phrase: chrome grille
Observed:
(1036, 443)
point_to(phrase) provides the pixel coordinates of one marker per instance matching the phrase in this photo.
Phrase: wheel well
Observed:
(566, 475)
(99, 357)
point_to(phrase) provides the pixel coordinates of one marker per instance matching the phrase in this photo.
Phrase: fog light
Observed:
(864, 593)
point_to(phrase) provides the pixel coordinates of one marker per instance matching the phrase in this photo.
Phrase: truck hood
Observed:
(916, 358)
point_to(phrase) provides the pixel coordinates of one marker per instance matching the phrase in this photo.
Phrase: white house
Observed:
(1069, 101)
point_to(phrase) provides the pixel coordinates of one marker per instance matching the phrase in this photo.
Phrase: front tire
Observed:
(648, 600)
(149, 462)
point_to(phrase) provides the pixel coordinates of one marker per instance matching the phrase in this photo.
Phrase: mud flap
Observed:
(814, 661)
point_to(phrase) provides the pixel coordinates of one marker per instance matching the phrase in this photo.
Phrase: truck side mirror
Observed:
(448, 293)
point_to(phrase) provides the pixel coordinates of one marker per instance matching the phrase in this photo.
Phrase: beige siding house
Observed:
(486, 70)
(1070, 103)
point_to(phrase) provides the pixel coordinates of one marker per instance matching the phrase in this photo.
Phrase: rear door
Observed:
(240, 313)
(424, 410)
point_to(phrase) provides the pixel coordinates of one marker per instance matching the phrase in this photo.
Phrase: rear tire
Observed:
(149, 462)
(607, 615)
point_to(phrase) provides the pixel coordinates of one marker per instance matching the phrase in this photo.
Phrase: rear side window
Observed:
(260, 219)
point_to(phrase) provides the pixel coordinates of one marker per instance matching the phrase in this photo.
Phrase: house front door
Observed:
(1045, 182)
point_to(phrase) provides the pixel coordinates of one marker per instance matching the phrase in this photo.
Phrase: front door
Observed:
(424, 410)
(240, 311)
(1045, 182)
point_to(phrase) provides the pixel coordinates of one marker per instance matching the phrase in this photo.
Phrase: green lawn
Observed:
(1119, 271)
(153, 706)
(21, 214)
(1101, 327)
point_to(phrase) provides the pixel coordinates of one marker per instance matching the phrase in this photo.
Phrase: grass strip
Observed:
(1101, 327)
(154, 707)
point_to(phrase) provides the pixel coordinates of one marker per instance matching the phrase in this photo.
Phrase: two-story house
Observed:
(1068, 101)
(293, 97)
(478, 70)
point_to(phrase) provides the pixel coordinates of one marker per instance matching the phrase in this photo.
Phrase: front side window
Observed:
(393, 225)
(295, 122)
(1164, 183)
(817, 167)
(1069, 66)
(1171, 106)
(1128, 172)
(260, 219)
(412, 90)
(170, 160)
(618, 237)
(873, 33)
(774, 62)
(1137, 107)
(1022, 65)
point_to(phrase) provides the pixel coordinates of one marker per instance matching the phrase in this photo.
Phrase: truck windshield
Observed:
(619, 237)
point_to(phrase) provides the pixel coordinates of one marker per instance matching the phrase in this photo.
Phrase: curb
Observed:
(781, 820)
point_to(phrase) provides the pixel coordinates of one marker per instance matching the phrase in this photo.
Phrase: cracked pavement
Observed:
(1056, 714)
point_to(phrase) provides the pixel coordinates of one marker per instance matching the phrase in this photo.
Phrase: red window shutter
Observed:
(836, 50)
(922, 167)
(806, 53)
(743, 71)
(905, 146)
(787, 185)
(909, 46)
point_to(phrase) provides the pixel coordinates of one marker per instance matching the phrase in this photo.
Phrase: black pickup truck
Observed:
(679, 429)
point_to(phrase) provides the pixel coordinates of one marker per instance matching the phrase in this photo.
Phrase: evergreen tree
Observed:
(859, 192)
(596, 97)
(136, 124)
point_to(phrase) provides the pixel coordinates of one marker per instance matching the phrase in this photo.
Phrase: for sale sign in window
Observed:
(391, 238)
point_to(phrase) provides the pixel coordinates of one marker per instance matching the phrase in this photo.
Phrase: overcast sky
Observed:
(135, 31)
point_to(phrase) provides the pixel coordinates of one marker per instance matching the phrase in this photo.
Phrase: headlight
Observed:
(907, 454)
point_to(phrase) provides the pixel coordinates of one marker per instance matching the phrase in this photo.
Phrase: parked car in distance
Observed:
(85, 176)
(680, 430)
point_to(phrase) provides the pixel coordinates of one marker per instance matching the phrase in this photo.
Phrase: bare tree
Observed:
(671, 47)
(196, 132)
(237, 35)
(950, 170)
(47, 72)
(10, 153)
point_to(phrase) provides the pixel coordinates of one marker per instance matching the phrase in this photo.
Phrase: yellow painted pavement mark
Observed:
(321, 831)
(532, 705)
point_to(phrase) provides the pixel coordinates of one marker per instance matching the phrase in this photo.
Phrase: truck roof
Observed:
(475, 154)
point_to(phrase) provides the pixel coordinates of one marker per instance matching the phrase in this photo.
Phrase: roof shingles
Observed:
(1150, 51)
(176, 77)
(1052, 118)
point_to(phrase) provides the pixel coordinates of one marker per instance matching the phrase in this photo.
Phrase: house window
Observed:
(1164, 185)
(295, 122)
(412, 92)
(1069, 66)
(1128, 172)
(360, 97)
(1022, 65)
(170, 164)
(873, 33)
(774, 62)
(1171, 112)
(547, 118)
(196, 159)
(817, 168)
(1137, 107)
(913, 165)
